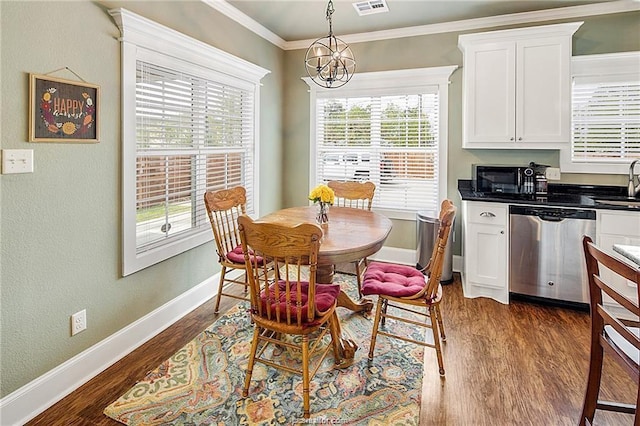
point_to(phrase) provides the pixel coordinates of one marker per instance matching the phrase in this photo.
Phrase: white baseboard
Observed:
(408, 257)
(458, 263)
(36, 396)
(395, 255)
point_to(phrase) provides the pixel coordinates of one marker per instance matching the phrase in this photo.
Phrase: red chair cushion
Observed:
(236, 256)
(326, 295)
(392, 280)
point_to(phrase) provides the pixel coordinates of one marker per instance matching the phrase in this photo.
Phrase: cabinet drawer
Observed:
(488, 213)
(619, 223)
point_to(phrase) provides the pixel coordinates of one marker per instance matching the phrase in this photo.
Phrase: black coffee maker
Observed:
(540, 179)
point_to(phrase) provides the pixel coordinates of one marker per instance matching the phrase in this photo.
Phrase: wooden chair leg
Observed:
(252, 359)
(305, 376)
(374, 331)
(358, 278)
(436, 338)
(593, 384)
(335, 335)
(384, 311)
(440, 323)
(220, 285)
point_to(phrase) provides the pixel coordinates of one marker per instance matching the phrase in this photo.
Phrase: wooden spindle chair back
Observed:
(612, 333)
(406, 289)
(357, 195)
(224, 207)
(286, 300)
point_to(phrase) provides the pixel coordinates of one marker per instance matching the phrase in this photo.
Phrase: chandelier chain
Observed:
(330, 11)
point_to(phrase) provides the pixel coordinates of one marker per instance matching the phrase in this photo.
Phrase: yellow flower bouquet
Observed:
(324, 196)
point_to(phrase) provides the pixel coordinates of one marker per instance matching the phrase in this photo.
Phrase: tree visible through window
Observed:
(392, 140)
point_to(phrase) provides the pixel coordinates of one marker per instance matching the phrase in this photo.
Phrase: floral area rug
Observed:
(202, 383)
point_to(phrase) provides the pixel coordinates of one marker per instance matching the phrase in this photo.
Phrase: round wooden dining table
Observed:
(351, 234)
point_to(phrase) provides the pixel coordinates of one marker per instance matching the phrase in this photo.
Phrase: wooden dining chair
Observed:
(357, 195)
(411, 292)
(610, 333)
(288, 301)
(224, 207)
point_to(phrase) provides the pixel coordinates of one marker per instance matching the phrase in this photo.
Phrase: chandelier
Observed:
(329, 60)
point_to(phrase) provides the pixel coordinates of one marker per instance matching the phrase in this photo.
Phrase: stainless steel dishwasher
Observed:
(545, 252)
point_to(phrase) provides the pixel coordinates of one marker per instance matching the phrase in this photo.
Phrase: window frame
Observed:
(608, 64)
(143, 38)
(389, 83)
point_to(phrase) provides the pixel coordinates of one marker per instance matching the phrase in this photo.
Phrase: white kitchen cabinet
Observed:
(485, 247)
(617, 227)
(517, 87)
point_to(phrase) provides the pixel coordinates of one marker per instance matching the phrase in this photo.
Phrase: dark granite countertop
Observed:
(560, 195)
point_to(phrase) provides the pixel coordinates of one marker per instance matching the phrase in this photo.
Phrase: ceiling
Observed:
(294, 20)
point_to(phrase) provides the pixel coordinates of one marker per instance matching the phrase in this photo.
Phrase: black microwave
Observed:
(499, 179)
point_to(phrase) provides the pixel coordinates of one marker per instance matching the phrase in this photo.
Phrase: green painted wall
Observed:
(602, 34)
(60, 228)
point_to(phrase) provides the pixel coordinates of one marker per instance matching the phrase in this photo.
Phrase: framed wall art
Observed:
(63, 110)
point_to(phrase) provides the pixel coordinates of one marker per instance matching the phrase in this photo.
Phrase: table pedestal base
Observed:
(347, 347)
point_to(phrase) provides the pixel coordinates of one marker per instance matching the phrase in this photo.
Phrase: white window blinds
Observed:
(391, 140)
(192, 134)
(606, 118)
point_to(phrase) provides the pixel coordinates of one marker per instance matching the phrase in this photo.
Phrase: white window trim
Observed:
(393, 81)
(594, 65)
(141, 33)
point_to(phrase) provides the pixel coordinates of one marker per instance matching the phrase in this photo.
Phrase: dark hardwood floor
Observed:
(517, 364)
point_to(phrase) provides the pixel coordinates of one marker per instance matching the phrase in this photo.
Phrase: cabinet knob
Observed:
(512, 139)
(487, 214)
(520, 138)
(502, 232)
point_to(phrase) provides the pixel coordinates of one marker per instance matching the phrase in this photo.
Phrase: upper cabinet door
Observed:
(517, 87)
(543, 91)
(489, 94)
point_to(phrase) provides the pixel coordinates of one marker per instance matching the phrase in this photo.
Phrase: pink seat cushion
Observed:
(326, 295)
(392, 280)
(236, 256)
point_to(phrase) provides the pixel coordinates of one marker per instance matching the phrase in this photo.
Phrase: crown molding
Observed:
(571, 12)
(144, 32)
(231, 12)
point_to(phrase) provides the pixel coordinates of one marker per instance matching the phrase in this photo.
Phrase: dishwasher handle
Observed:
(549, 218)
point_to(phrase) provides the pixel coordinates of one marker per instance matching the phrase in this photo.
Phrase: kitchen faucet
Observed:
(633, 189)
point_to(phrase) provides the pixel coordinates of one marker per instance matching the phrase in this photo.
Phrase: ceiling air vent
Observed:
(370, 7)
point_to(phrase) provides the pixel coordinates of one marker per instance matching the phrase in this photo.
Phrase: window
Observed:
(387, 127)
(189, 126)
(605, 114)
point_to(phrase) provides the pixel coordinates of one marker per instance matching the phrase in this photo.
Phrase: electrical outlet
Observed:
(78, 322)
(552, 173)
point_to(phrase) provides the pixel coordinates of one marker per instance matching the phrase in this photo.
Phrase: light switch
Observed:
(17, 161)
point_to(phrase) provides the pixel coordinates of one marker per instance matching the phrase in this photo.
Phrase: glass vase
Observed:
(322, 217)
